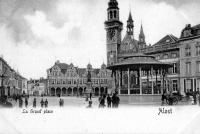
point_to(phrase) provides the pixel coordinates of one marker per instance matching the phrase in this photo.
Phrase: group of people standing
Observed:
(42, 102)
(111, 101)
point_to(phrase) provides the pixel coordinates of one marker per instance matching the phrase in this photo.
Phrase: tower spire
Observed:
(141, 35)
(130, 24)
(141, 31)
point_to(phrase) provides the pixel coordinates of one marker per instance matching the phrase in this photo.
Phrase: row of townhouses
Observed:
(67, 79)
(11, 81)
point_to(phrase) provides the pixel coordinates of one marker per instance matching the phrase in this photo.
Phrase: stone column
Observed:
(140, 74)
(147, 79)
(119, 73)
(156, 80)
(115, 80)
(152, 80)
(128, 81)
(99, 90)
(194, 88)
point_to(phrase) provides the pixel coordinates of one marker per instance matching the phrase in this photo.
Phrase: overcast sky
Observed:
(36, 33)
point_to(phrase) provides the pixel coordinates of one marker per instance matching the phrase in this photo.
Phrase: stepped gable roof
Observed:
(96, 71)
(81, 71)
(168, 39)
(63, 67)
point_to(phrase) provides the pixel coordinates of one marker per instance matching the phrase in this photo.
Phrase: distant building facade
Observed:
(11, 81)
(37, 87)
(65, 80)
(190, 58)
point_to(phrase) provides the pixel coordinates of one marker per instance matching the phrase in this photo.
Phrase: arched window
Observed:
(111, 14)
(115, 14)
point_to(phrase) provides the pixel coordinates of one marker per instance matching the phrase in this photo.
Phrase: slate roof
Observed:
(127, 38)
(196, 26)
(167, 39)
(62, 65)
(81, 71)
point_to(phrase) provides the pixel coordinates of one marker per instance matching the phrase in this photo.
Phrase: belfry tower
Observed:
(113, 28)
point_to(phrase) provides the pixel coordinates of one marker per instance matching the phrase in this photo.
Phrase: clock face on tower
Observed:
(111, 34)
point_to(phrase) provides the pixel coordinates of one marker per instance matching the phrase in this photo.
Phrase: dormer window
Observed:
(167, 40)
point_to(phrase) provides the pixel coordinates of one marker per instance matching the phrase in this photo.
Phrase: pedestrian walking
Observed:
(46, 103)
(42, 103)
(26, 102)
(89, 104)
(20, 102)
(195, 98)
(90, 95)
(163, 98)
(113, 100)
(117, 101)
(34, 102)
(86, 99)
(109, 101)
(60, 102)
(102, 102)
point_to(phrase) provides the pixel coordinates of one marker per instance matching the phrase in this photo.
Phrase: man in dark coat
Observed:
(108, 101)
(113, 100)
(42, 102)
(46, 103)
(34, 103)
(117, 101)
(26, 102)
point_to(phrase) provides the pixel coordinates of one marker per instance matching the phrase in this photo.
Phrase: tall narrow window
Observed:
(198, 66)
(111, 14)
(174, 71)
(187, 50)
(115, 14)
(188, 85)
(188, 68)
(198, 50)
(174, 85)
(165, 56)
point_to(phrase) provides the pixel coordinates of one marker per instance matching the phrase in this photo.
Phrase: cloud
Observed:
(36, 33)
(177, 3)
